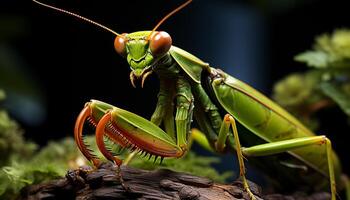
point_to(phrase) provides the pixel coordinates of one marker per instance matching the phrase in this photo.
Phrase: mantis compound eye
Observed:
(120, 44)
(160, 43)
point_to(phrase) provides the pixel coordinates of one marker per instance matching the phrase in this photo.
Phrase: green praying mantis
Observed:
(278, 143)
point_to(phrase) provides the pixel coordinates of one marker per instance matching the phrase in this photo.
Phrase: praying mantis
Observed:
(189, 88)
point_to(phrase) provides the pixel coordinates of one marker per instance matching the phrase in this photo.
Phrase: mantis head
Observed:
(142, 49)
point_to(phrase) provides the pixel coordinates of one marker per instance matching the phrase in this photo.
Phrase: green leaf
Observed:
(336, 93)
(318, 59)
(340, 42)
(330, 50)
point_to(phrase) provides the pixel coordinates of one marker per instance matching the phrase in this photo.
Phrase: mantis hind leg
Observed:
(287, 145)
(275, 148)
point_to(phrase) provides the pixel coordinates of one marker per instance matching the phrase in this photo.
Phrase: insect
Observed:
(278, 143)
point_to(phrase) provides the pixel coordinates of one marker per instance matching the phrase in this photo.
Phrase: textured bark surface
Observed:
(104, 183)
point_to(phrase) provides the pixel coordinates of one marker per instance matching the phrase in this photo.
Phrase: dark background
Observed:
(52, 64)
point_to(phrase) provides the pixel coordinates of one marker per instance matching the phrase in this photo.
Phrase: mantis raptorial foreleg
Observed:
(195, 135)
(101, 127)
(100, 133)
(78, 136)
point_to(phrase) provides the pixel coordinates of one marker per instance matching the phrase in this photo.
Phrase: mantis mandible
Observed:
(278, 143)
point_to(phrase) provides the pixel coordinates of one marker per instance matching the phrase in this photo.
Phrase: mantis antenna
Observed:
(77, 16)
(167, 16)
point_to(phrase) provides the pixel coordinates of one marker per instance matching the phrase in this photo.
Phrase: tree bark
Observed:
(163, 184)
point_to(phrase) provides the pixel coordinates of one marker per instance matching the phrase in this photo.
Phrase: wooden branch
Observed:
(104, 183)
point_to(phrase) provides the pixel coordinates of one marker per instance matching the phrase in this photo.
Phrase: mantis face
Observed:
(142, 50)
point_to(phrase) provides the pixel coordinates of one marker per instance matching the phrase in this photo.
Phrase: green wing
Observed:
(265, 102)
(192, 65)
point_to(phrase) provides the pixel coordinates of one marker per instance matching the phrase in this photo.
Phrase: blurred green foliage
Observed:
(327, 83)
(22, 163)
(330, 51)
(17, 168)
(12, 144)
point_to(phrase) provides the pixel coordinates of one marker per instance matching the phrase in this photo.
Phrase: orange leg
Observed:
(100, 132)
(78, 135)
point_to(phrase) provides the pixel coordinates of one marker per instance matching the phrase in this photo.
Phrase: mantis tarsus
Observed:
(282, 146)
